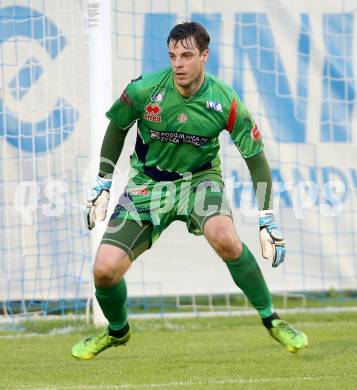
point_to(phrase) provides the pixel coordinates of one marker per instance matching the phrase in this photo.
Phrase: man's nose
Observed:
(177, 62)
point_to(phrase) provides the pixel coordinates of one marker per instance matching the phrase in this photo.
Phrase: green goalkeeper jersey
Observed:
(178, 134)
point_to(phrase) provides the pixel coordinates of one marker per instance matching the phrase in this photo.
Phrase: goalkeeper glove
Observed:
(271, 238)
(97, 202)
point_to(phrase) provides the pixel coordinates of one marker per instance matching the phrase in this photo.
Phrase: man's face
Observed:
(186, 61)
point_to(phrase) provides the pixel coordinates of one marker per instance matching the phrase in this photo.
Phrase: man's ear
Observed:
(205, 54)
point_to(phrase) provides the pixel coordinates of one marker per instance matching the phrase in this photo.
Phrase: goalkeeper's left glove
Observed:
(271, 238)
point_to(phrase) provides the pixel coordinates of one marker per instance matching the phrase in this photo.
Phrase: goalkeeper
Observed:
(176, 175)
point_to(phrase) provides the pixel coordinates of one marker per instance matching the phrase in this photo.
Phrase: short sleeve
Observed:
(125, 111)
(243, 129)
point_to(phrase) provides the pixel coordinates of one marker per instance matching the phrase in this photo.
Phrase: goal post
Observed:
(101, 91)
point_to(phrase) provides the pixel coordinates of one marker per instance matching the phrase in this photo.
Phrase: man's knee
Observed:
(104, 276)
(221, 234)
(110, 265)
(227, 245)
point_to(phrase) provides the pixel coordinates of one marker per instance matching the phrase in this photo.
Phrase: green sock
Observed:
(249, 278)
(112, 301)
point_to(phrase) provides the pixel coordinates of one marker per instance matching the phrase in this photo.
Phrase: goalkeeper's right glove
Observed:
(97, 202)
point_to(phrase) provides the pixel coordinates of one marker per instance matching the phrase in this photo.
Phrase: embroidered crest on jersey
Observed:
(182, 118)
(152, 112)
(214, 106)
(255, 133)
(178, 138)
(157, 97)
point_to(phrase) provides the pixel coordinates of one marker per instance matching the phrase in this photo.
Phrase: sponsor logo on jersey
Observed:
(157, 97)
(155, 134)
(154, 109)
(178, 138)
(255, 133)
(125, 99)
(152, 113)
(214, 106)
(182, 118)
(152, 118)
(139, 191)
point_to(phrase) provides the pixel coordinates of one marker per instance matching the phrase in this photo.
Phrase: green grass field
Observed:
(202, 353)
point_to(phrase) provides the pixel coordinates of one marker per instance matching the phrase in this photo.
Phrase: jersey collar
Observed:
(203, 88)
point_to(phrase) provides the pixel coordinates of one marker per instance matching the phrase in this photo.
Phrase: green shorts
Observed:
(154, 205)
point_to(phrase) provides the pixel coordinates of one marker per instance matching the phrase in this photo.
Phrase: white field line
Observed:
(170, 385)
(36, 316)
(195, 314)
(248, 312)
(53, 332)
(158, 327)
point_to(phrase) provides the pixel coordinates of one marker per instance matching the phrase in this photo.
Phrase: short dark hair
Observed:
(184, 31)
